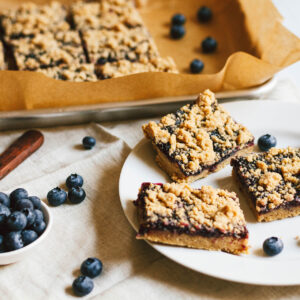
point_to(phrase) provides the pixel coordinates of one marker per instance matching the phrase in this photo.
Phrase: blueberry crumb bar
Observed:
(271, 182)
(206, 218)
(198, 139)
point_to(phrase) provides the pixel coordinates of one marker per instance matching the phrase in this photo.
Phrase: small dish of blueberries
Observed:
(25, 222)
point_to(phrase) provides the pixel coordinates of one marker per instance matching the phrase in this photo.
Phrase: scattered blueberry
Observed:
(39, 216)
(88, 142)
(74, 180)
(82, 285)
(16, 221)
(196, 66)
(16, 195)
(57, 196)
(266, 142)
(36, 201)
(24, 203)
(91, 267)
(177, 32)
(4, 199)
(13, 240)
(273, 246)
(178, 19)
(204, 14)
(30, 215)
(28, 236)
(4, 213)
(209, 45)
(76, 195)
(39, 228)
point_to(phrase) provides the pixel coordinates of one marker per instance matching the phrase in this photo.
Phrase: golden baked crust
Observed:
(177, 214)
(197, 139)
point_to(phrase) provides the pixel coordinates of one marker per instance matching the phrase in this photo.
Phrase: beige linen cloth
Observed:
(97, 227)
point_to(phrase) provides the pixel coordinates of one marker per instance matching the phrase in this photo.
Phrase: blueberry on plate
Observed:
(209, 45)
(16, 195)
(36, 201)
(30, 215)
(74, 180)
(273, 246)
(24, 203)
(88, 142)
(56, 196)
(178, 19)
(196, 66)
(39, 228)
(13, 240)
(91, 267)
(4, 213)
(39, 216)
(82, 285)
(4, 199)
(204, 14)
(16, 221)
(266, 142)
(28, 236)
(177, 32)
(76, 195)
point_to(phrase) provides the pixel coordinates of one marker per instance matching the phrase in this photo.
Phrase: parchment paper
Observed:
(253, 45)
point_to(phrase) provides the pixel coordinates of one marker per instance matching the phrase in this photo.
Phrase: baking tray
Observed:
(113, 111)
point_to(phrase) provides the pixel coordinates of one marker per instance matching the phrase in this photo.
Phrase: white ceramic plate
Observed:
(277, 118)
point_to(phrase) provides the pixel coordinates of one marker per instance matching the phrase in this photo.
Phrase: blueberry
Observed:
(204, 14)
(209, 45)
(273, 246)
(57, 196)
(23, 203)
(16, 195)
(16, 221)
(91, 267)
(88, 142)
(30, 215)
(4, 213)
(196, 66)
(82, 285)
(74, 180)
(28, 236)
(1, 243)
(39, 216)
(76, 195)
(177, 32)
(39, 228)
(4, 199)
(178, 19)
(36, 201)
(13, 240)
(101, 61)
(266, 142)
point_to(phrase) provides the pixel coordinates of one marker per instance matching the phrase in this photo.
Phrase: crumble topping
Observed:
(198, 135)
(181, 206)
(272, 178)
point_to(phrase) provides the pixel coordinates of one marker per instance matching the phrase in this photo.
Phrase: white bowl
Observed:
(17, 255)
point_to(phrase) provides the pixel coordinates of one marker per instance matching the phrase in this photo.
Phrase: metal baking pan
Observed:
(113, 111)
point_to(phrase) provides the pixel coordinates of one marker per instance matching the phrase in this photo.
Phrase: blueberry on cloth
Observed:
(204, 14)
(209, 45)
(4, 213)
(16, 221)
(74, 180)
(76, 195)
(4, 199)
(30, 215)
(28, 236)
(88, 142)
(13, 240)
(82, 285)
(91, 267)
(177, 32)
(24, 203)
(178, 19)
(56, 196)
(16, 195)
(266, 142)
(196, 66)
(273, 246)
(36, 201)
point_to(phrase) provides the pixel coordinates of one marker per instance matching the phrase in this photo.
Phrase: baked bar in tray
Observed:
(198, 139)
(205, 218)
(271, 182)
